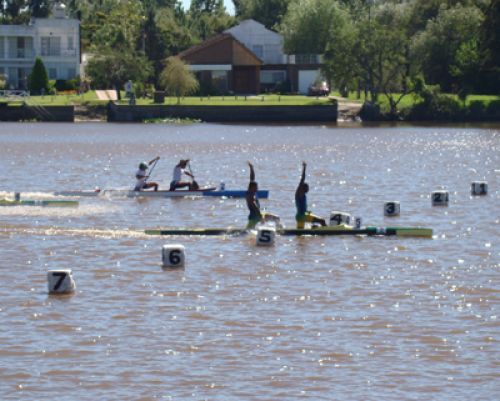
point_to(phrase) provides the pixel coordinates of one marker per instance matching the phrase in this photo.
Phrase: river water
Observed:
(326, 318)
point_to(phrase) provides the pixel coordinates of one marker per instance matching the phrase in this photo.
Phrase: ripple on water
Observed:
(348, 318)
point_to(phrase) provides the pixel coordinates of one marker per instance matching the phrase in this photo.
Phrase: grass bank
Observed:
(91, 99)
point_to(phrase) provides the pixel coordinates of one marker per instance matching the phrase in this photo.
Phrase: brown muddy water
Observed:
(316, 318)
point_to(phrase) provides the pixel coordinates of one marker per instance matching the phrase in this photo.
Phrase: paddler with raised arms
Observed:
(256, 216)
(304, 216)
(142, 176)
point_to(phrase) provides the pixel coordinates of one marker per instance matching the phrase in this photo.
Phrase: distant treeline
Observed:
(377, 47)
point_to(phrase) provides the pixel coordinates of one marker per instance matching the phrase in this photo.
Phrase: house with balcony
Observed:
(248, 59)
(56, 40)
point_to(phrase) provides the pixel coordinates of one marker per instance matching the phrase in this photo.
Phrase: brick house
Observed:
(249, 59)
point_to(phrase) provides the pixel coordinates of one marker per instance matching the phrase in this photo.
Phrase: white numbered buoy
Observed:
(479, 188)
(358, 223)
(173, 255)
(266, 236)
(338, 218)
(440, 198)
(60, 281)
(392, 209)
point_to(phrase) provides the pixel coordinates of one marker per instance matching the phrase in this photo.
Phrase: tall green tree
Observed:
(382, 49)
(438, 45)
(177, 79)
(267, 12)
(166, 34)
(38, 81)
(111, 68)
(207, 18)
(208, 6)
(14, 12)
(489, 45)
(39, 8)
(119, 48)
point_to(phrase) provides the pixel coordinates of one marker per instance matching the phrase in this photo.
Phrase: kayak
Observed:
(202, 192)
(323, 231)
(26, 202)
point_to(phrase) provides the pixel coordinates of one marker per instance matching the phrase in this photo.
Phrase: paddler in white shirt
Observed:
(179, 171)
(142, 176)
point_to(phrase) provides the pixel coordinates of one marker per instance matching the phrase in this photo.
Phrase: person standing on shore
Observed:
(304, 216)
(256, 216)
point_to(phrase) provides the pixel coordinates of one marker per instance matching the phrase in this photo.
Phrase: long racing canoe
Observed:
(26, 202)
(204, 192)
(323, 231)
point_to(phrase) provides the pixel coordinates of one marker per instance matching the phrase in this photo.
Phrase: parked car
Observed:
(319, 89)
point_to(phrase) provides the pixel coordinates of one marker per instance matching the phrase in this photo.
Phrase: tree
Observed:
(166, 34)
(382, 50)
(39, 8)
(14, 12)
(465, 68)
(3, 81)
(438, 44)
(114, 67)
(310, 25)
(489, 43)
(38, 80)
(268, 12)
(322, 27)
(207, 18)
(177, 79)
(208, 6)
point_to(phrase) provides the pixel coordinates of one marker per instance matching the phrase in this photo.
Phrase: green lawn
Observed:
(90, 98)
(64, 100)
(260, 100)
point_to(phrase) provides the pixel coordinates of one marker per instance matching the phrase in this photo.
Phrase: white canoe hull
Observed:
(205, 192)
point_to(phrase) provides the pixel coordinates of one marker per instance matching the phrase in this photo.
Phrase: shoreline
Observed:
(343, 112)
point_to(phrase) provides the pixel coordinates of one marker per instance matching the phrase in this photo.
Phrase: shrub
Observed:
(476, 110)
(493, 110)
(38, 80)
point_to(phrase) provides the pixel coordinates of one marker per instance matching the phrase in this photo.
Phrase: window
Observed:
(306, 58)
(2, 47)
(52, 73)
(71, 44)
(272, 77)
(219, 81)
(51, 46)
(71, 73)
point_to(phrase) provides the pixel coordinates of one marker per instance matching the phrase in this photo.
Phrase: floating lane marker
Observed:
(440, 198)
(173, 255)
(339, 218)
(60, 281)
(392, 209)
(479, 188)
(265, 236)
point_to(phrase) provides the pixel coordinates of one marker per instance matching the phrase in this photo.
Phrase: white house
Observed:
(249, 58)
(264, 43)
(56, 40)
